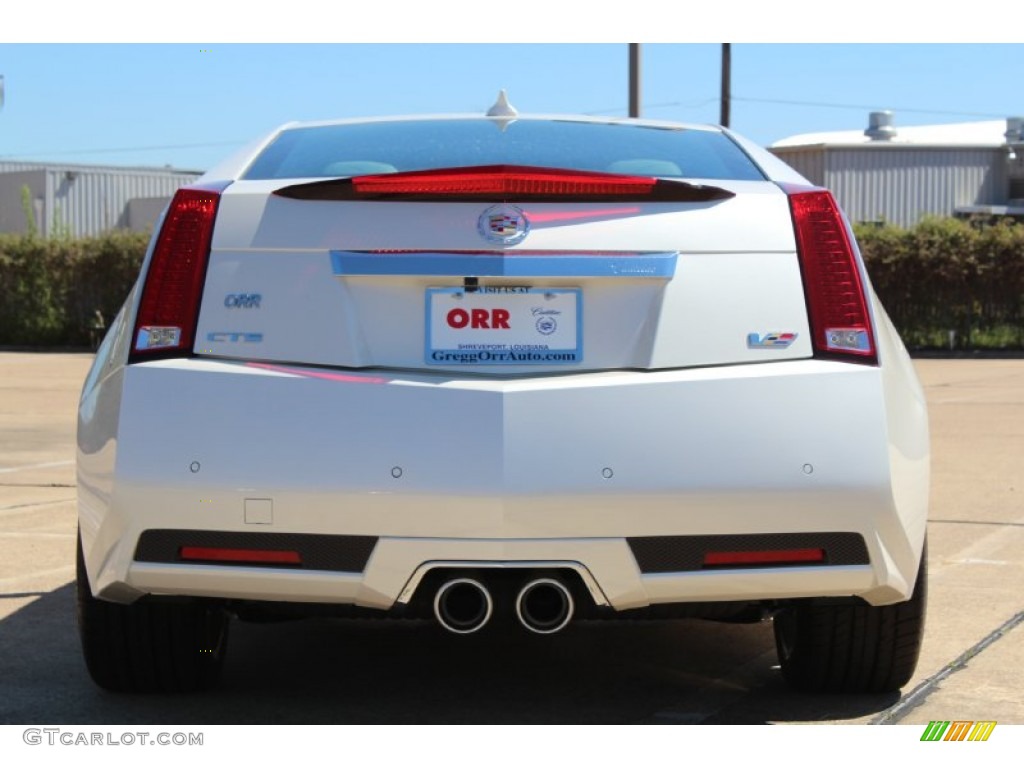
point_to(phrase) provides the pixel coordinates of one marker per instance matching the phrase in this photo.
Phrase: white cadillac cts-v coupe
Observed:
(472, 367)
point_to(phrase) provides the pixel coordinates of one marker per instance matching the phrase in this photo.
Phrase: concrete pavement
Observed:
(971, 666)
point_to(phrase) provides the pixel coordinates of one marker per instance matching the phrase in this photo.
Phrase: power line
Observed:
(797, 103)
(121, 149)
(614, 110)
(684, 105)
(866, 106)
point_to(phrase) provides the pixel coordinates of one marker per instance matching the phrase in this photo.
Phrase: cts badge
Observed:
(503, 225)
(770, 340)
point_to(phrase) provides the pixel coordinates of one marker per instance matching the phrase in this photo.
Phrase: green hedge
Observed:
(51, 290)
(950, 275)
(943, 275)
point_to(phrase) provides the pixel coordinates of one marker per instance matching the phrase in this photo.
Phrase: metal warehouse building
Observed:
(84, 200)
(900, 175)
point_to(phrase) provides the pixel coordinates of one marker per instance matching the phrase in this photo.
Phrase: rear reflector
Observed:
(215, 554)
(504, 182)
(174, 282)
(765, 557)
(836, 300)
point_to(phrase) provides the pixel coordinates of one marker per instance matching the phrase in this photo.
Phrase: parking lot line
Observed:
(44, 465)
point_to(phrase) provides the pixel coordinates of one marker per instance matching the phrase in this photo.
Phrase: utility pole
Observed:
(726, 77)
(634, 79)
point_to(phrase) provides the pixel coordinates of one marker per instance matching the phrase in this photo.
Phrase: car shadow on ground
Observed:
(324, 671)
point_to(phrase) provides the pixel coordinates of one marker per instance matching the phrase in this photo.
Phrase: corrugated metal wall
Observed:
(29, 165)
(8, 166)
(87, 200)
(809, 163)
(901, 185)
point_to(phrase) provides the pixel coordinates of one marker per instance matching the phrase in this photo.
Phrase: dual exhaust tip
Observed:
(465, 605)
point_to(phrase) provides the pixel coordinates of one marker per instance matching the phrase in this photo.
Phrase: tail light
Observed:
(505, 182)
(169, 306)
(836, 298)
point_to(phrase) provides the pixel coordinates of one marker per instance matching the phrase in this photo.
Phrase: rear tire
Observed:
(149, 647)
(852, 648)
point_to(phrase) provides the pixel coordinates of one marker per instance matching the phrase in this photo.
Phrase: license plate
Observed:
(504, 325)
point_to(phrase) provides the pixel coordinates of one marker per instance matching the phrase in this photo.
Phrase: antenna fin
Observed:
(501, 107)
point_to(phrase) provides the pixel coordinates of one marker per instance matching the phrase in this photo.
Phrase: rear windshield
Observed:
(388, 147)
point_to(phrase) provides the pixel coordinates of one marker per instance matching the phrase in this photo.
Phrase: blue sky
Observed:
(190, 104)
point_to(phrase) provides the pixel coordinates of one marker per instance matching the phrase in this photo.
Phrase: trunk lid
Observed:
(422, 285)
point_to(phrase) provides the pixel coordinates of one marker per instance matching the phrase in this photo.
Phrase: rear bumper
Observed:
(605, 566)
(498, 473)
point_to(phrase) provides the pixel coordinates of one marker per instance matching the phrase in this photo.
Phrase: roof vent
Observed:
(501, 107)
(880, 126)
(1014, 130)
